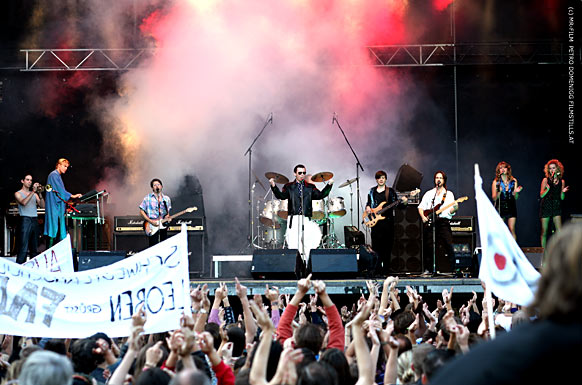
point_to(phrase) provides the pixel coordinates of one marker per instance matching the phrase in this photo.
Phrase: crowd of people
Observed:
(387, 337)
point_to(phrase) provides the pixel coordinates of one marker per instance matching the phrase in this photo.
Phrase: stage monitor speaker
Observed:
(534, 255)
(333, 263)
(277, 264)
(89, 260)
(407, 178)
(407, 249)
(353, 236)
(199, 265)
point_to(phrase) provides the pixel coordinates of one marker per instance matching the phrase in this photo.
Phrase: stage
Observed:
(424, 286)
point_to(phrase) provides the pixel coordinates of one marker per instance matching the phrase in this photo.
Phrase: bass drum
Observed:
(273, 238)
(311, 235)
(336, 207)
(318, 212)
(269, 214)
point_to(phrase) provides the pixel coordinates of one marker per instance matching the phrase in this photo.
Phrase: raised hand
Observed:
(139, 318)
(271, 294)
(304, 284)
(241, 291)
(319, 287)
(261, 316)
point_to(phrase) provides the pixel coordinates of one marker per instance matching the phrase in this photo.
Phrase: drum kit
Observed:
(319, 232)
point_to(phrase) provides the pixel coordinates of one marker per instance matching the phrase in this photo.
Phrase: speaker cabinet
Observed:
(534, 255)
(277, 264)
(464, 246)
(353, 236)
(407, 249)
(199, 266)
(89, 260)
(333, 263)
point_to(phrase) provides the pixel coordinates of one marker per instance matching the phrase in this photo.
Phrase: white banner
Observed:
(57, 259)
(74, 305)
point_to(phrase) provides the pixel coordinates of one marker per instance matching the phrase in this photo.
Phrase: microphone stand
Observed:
(250, 152)
(358, 164)
(433, 221)
(302, 226)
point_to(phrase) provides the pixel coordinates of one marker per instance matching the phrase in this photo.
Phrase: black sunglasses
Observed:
(301, 172)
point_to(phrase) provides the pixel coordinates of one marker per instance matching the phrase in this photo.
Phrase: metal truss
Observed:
(420, 55)
(412, 55)
(83, 59)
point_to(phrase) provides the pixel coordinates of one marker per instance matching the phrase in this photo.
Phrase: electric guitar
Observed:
(438, 209)
(150, 229)
(370, 220)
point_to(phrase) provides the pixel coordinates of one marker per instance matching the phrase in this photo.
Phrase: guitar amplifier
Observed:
(134, 224)
(128, 224)
(463, 224)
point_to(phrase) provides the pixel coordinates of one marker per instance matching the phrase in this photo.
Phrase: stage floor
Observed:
(423, 285)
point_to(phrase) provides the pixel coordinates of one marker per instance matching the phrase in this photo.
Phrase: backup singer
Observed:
(54, 221)
(552, 192)
(28, 199)
(439, 195)
(299, 194)
(504, 192)
(383, 230)
(155, 207)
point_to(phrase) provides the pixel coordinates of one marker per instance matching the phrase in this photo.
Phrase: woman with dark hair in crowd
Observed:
(504, 191)
(552, 193)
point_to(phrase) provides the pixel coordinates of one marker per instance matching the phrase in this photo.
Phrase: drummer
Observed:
(297, 188)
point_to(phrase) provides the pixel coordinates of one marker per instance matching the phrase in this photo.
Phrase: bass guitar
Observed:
(370, 220)
(150, 229)
(438, 209)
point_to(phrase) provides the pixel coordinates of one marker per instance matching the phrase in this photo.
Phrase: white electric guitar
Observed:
(150, 229)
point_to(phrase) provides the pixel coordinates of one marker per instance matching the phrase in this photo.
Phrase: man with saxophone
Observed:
(29, 197)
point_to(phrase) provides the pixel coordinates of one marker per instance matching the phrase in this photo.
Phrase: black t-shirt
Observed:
(375, 198)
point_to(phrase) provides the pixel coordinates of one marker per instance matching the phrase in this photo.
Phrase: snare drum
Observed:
(269, 214)
(336, 207)
(317, 212)
(311, 234)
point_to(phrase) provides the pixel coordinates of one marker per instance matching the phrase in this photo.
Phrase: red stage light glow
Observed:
(441, 5)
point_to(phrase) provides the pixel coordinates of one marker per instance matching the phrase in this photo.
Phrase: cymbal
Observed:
(348, 182)
(280, 179)
(322, 176)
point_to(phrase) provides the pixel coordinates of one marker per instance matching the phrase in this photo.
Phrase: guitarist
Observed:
(383, 231)
(439, 196)
(154, 207)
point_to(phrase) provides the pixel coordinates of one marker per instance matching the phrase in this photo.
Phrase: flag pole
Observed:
(490, 312)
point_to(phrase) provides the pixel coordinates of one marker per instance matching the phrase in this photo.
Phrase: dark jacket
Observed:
(291, 192)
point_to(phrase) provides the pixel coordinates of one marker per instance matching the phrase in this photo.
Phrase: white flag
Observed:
(504, 268)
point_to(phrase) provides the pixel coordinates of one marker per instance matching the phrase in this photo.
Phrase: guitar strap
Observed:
(444, 196)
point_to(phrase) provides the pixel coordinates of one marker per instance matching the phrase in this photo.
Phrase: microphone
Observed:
(333, 119)
(438, 183)
(271, 118)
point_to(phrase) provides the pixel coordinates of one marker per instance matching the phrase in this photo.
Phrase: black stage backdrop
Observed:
(517, 113)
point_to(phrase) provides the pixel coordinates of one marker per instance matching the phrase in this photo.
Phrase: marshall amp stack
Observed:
(129, 235)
